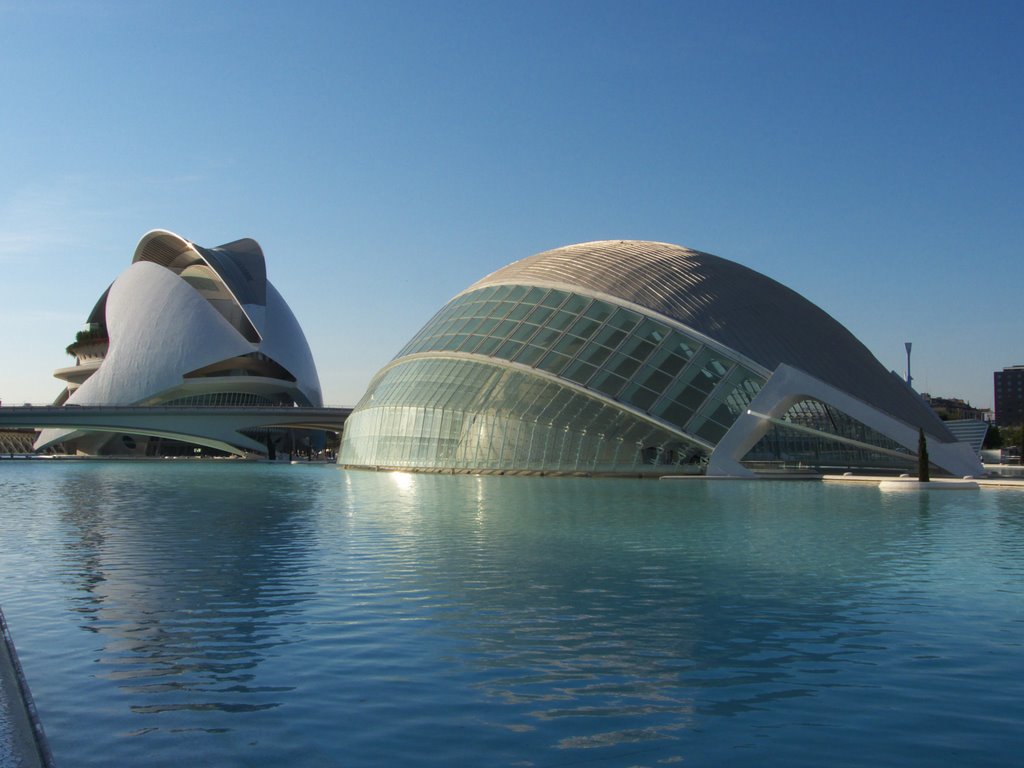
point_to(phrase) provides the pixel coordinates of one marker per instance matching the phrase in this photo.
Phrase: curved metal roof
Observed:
(731, 304)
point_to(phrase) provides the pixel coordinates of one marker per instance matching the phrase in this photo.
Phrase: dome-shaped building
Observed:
(640, 358)
(187, 325)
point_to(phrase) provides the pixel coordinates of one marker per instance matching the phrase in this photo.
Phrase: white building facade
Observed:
(186, 325)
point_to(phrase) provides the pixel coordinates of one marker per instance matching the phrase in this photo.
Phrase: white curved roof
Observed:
(180, 317)
(239, 265)
(731, 304)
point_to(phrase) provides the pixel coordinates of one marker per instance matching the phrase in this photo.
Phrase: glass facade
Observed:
(791, 448)
(617, 355)
(461, 414)
(519, 420)
(237, 399)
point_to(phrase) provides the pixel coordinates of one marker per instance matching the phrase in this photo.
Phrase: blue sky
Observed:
(387, 154)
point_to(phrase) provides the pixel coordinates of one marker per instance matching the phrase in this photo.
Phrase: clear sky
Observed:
(869, 155)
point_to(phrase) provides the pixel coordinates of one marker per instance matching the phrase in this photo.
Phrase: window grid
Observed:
(501, 419)
(608, 349)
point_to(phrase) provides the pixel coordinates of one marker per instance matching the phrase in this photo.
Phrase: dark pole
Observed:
(922, 457)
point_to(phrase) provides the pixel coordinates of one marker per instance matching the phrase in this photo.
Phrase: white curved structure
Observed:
(187, 325)
(639, 357)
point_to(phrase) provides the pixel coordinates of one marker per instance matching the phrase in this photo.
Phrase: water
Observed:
(257, 615)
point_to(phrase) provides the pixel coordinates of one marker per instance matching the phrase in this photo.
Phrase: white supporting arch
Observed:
(788, 386)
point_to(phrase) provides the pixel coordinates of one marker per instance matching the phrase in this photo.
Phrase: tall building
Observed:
(632, 357)
(186, 325)
(1009, 396)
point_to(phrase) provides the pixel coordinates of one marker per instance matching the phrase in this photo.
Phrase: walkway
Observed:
(983, 482)
(22, 741)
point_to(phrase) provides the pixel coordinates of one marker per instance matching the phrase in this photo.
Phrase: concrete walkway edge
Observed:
(24, 743)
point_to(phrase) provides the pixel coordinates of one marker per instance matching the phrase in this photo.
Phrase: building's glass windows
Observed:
(554, 362)
(501, 419)
(229, 399)
(612, 351)
(789, 448)
(730, 401)
(579, 371)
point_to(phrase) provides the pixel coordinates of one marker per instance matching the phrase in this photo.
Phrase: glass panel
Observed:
(608, 383)
(599, 311)
(487, 325)
(624, 320)
(610, 336)
(454, 342)
(723, 415)
(671, 365)
(534, 295)
(524, 332)
(504, 328)
(473, 325)
(576, 304)
(501, 291)
(517, 293)
(457, 324)
(654, 379)
(546, 337)
(489, 308)
(638, 349)
(691, 398)
(716, 369)
(595, 354)
(569, 345)
(529, 355)
(561, 320)
(676, 413)
(622, 365)
(579, 372)
(539, 315)
(651, 331)
(488, 345)
(712, 431)
(554, 299)
(482, 295)
(693, 370)
(584, 327)
(639, 396)
(520, 311)
(470, 343)
(703, 382)
(553, 362)
(508, 350)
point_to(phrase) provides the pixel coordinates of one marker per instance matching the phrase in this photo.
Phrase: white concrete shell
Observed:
(185, 322)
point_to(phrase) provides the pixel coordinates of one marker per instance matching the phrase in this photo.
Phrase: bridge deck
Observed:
(216, 426)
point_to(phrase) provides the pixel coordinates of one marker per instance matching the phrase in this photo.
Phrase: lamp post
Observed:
(910, 379)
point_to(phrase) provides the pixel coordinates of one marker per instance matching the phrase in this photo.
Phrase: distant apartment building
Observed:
(954, 409)
(1009, 395)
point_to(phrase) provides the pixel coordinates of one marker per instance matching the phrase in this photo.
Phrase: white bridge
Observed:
(217, 427)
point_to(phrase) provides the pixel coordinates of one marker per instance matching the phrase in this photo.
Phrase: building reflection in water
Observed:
(192, 579)
(606, 613)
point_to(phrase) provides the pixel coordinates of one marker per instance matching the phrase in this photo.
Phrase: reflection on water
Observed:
(309, 616)
(188, 580)
(615, 613)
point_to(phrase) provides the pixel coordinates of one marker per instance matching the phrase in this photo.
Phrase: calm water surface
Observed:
(257, 615)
